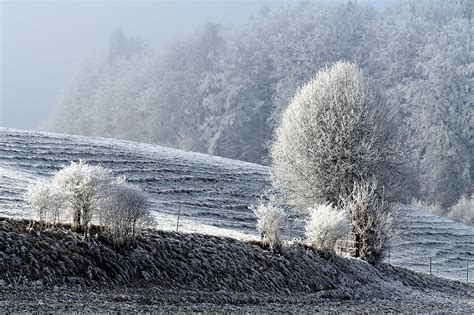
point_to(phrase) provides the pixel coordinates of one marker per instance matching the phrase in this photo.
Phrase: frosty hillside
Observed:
(331, 168)
(360, 120)
(27, 157)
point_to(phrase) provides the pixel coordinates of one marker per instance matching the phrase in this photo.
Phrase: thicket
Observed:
(81, 193)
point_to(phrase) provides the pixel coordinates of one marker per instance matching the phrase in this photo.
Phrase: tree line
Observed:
(223, 90)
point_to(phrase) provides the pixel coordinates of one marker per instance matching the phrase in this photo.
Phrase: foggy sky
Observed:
(43, 43)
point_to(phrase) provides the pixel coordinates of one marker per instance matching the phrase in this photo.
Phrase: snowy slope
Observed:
(213, 191)
(420, 235)
(214, 194)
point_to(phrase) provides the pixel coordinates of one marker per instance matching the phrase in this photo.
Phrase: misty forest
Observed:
(222, 90)
(317, 157)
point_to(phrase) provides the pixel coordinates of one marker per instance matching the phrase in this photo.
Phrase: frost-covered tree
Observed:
(74, 108)
(270, 218)
(181, 112)
(336, 131)
(126, 212)
(441, 104)
(85, 186)
(325, 226)
(423, 56)
(47, 200)
(368, 213)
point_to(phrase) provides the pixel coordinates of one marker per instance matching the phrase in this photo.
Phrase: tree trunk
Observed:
(76, 219)
(87, 231)
(357, 246)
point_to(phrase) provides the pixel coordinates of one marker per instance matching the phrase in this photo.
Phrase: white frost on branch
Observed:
(325, 226)
(47, 200)
(269, 222)
(337, 130)
(84, 186)
(369, 215)
(126, 212)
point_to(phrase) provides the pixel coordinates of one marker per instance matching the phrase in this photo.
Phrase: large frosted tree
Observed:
(336, 131)
(338, 144)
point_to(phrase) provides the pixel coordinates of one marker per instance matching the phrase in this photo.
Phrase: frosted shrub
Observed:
(325, 226)
(463, 210)
(369, 216)
(126, 212)
(269, 222)
(47, 200)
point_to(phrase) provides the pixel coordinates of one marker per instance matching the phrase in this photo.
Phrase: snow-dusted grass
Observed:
(225, 188)
(38, 257)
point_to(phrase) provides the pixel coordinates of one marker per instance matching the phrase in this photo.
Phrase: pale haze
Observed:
(43, 43)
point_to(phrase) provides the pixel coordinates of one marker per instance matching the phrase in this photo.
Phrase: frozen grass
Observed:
(33, 257)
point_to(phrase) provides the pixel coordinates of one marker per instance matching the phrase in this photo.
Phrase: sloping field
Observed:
(211, 193)
(420, 236)
(214, 192)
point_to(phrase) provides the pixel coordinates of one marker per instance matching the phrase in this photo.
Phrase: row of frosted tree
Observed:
(81, 194)
(223, 90)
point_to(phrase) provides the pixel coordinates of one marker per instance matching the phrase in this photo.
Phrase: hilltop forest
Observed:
(222, 89)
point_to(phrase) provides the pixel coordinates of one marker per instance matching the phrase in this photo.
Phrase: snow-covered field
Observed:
(211, 193)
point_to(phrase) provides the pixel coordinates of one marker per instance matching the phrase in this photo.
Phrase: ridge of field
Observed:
(169, 268)
(213, 193)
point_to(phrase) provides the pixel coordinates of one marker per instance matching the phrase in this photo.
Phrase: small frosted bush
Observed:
(463, 210)
(325, 226)
(126, 212)
(369, 215)
(47, 200)
(269, 221)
